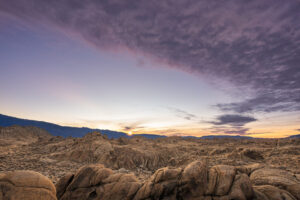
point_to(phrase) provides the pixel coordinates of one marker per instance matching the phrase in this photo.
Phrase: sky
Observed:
(161, 67)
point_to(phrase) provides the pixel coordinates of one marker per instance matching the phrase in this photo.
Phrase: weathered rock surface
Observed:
(97, 182)
(194, 182)
(26, 185)
(278, 178)
(269, 192)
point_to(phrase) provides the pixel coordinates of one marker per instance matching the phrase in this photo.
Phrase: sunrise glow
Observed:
(214, 72)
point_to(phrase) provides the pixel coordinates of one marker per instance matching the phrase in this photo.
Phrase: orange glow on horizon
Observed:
(173, 130)
(130, 133)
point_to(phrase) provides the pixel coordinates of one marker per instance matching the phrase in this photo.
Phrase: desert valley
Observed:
(95, 167)
(149, 100)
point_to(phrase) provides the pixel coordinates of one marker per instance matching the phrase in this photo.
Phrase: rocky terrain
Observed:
(95, 167)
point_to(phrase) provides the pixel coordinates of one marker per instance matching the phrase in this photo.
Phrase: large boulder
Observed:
(268, 192)
(194, 179)
(220, 179)
(241, 188)
(97, 182)
(163, 183)
(62, 184)
(278, 178)
(26, 185)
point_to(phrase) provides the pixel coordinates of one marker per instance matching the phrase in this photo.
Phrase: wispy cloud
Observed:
(132, 126)
(183, 114)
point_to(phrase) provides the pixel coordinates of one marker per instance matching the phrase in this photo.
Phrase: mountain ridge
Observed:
(69, 131)
(65, 131)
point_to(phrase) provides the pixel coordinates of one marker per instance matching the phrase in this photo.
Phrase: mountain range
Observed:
(68, 131)
(64, 131)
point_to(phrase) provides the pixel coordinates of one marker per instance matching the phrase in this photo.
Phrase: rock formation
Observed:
(22, 134)
(194, 182)
(95, 167)
(26, 185)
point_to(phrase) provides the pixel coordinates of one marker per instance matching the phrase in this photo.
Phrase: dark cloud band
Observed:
(250, 43)
(231, 124)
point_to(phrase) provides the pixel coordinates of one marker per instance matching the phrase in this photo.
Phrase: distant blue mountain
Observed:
(219, 136)
(66, 131)
(225, 136)
(150, 136)
(295, 136)
(55, 129)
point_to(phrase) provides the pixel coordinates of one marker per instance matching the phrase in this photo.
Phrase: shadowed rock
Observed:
(269, 192)
(252, 154)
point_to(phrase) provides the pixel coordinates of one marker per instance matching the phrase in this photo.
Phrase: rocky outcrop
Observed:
(28, 148)
(26, 185)
(196, 181)
(95, 148)
(268, 192)
(277, 178)
(24, 134)
(97, 182)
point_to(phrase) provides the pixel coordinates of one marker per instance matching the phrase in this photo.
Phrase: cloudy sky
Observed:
(165, 67)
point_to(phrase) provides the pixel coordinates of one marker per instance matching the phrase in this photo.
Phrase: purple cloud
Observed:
(255, 44)
(230, 130)
(233, 120)
(231, 124)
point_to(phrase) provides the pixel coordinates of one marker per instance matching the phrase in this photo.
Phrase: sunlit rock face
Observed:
(26, 185)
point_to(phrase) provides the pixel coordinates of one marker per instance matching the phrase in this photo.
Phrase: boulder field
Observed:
(196, 181)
